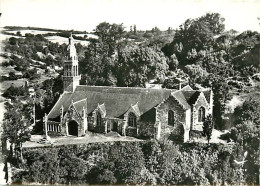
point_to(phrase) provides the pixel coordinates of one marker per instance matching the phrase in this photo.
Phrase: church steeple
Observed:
(71, 75)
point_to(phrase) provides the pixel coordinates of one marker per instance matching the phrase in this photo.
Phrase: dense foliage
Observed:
(147, 162)
(112, 61)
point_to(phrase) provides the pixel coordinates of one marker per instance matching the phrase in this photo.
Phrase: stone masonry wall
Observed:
(201, 102)
(162, 117)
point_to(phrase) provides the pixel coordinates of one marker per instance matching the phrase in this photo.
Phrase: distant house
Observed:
(138, 112)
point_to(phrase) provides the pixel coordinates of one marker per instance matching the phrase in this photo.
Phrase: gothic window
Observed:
(201, 114)
(69, 70)
(66, 70)
(98, 119)
(171, 118)
(131, 120)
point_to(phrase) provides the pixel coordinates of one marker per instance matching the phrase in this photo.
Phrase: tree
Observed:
(138, 65)
(169, 31)
(110, 37)
(208, 125)
(53, 88)
(130, 165)
(13, 92)
(249, 111)
(13, 41)
(31, 74)
(134, 29)
(247, 124)
(18, 33)
(16, 124)
(173, 62)
(12, 76)
(99, 63)
(197, 73)
(195, 34)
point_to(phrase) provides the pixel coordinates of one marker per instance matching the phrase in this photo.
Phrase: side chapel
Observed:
(137, 112)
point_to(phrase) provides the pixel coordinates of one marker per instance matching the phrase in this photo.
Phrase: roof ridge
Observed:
(79, 100)
(125, 87)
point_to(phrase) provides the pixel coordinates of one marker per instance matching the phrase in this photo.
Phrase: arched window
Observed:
(131, 120)
(98, 119)
(201, 114)
(171, 118)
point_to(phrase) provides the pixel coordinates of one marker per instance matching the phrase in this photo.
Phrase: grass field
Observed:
(34, 32)
(62, 40)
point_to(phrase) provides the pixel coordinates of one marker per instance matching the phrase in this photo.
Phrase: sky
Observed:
(84, 15)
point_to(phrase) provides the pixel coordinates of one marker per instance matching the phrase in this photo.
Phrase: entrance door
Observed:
(114, 126)
(73, 128)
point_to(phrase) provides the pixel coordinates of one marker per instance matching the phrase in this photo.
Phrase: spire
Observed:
(71, 48)
(71, 39)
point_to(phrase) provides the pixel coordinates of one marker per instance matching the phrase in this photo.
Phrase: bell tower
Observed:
(71, 75)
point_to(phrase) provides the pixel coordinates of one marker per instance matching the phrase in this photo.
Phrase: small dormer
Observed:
(102, 109)
(132, 115)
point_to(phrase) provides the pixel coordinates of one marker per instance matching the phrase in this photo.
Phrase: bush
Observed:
(234, 134)
(12, 92)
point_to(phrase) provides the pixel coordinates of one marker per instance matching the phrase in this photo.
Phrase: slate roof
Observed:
(207, 95)
(79, 105)
(178, 95)
(117, 100)
(192, 96)
(65, 101)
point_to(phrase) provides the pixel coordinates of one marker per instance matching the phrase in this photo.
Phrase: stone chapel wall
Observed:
(162, 117)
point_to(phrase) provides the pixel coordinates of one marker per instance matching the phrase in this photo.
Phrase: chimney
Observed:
(180, 86)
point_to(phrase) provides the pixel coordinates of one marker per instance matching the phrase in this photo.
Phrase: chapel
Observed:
(129, 111)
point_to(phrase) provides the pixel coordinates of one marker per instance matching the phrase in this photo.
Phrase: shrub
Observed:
(13, 92)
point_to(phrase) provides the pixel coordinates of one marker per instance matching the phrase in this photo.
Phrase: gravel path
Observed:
(88, 138)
